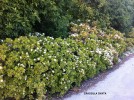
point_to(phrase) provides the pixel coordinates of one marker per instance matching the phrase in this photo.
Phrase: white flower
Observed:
(44, 74)
(74, 35)
(55, 60)
(63, 79)
(64, 70)
(37, 48)
(49, 56)
(18, 64)
(78, 20)
(38, 59)
(25, 77)
(1, 67)
(67, 50)
(1, 40)
(81, 24)
(26, 53)
(60, 82)
(22, 65)
(20, 57)
(31, 66)
(88, 20)
(99, 51)
(1, 80)
(52, 71)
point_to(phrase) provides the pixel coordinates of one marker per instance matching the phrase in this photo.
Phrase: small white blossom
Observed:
(60, 82)
(55, 60)
(25, 77)
(20, 57)
(64, 70)
(63, 79)
(74, 35)
(1, 80)
(1, 67)
(22, 65)
(26, 53)
(44, 74)
(38, 59)
(49, 56)
(52, 71)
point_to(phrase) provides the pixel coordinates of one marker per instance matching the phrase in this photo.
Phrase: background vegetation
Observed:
(52, 17)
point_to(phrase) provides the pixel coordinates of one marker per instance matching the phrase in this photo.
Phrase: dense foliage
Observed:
(121, 14)
(17, 17)
(52, 17)
(32, 66)
(130, 39)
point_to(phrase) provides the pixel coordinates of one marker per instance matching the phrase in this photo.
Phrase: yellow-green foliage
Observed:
(32, 66)
(130, 42)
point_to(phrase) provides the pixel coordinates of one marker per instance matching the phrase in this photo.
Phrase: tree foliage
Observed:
(19, 17)
(121, 14)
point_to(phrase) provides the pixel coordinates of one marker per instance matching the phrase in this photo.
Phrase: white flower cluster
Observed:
(82, 71)
(36, 34)
(84, 26)
(74, 35)
(21, 65)
(99, 51)
(116, 36)
(108, 56)
(107, 53)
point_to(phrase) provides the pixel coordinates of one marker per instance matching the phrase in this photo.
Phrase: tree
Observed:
(121, 14)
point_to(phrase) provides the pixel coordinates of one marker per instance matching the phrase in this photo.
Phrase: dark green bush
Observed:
(18, 18)
(121, 13)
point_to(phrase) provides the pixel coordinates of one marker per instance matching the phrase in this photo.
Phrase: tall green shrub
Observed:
(51, 17)
(17, 17)
(121, 14)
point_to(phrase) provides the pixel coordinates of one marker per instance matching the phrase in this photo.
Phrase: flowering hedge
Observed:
(32, 66)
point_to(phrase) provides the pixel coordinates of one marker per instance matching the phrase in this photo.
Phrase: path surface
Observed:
(117, 85)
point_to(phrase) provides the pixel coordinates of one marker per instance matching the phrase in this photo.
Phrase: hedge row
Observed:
(32, 66)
